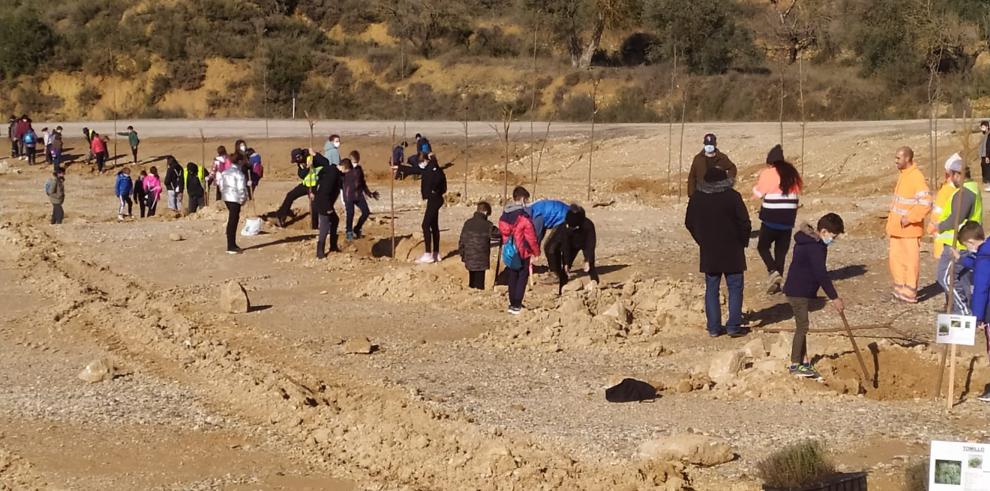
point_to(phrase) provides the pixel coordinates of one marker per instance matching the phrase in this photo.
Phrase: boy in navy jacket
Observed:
(806, 275)
(978, 261)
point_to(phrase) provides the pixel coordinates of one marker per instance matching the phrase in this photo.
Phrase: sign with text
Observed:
(955, 329)
(956, 466)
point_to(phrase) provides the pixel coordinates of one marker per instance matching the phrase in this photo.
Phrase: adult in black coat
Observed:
(475, 245)
(326, 193)
(719, 223)
(576, 235)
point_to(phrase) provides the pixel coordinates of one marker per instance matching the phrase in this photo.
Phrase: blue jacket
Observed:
(553, 212)
(124, 185)
(808, 272)
(980, 263)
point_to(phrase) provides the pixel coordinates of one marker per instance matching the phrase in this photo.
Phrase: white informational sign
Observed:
(955, 329)
(957, 466)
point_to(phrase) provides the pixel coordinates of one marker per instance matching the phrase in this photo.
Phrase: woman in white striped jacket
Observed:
(778, 185)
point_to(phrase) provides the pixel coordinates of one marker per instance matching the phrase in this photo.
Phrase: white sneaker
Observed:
(987, 188)
(425, 259)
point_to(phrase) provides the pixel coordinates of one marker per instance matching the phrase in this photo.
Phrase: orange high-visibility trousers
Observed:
(905, 263)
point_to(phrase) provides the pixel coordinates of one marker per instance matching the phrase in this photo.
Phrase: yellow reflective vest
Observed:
(975, 215)
(311, 177)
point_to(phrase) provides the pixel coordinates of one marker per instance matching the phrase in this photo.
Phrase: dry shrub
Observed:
(796, 465)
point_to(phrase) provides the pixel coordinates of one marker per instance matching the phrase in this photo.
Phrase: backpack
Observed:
(510, 255)
(630, 390)
(256, 166)
(29, 138)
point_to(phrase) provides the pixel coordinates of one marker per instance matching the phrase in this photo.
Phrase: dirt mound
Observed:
(633, 313)
(416, 284)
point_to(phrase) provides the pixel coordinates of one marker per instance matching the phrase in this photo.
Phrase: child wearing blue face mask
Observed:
(806, 275)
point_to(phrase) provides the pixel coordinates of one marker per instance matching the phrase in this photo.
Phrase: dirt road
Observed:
(457, 394)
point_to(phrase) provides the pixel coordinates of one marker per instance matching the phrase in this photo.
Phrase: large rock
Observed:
(692, 449)
(781, 348)
(618, 312)
(755, 349)
(724, 366)
(98, 371)
(234, 299)
(358, 346)
(174, 237)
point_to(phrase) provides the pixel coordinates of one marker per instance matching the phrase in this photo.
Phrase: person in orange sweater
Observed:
(905, 225)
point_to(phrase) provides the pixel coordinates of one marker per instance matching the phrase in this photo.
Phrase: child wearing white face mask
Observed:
(808, 273)
(332, 149)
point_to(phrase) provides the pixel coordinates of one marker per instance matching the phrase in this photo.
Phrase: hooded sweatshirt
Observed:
(124, 186)
(152, 186)
(980, 264)
(553, 212)
(515, 223)
(808, 272)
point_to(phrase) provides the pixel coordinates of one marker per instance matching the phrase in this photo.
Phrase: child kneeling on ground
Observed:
(971, 235)
(806, 275)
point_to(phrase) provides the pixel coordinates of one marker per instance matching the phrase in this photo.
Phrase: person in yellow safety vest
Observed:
(309, 165)
(941, 200)
(195, 179)
(905, 225)
(965, 205)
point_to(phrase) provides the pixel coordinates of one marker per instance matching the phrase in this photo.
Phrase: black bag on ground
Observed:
(630, 390)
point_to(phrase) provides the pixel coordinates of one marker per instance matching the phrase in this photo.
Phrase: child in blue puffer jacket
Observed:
(978, 261)
(123, 188)
(546, 215)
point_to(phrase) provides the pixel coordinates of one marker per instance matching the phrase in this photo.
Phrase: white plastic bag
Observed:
(252, 226)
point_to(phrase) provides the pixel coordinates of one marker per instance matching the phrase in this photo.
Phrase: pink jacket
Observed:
(97, 145)
(152, 185)
(768, 182)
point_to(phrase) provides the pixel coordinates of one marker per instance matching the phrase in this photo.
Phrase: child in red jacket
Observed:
(516, 225)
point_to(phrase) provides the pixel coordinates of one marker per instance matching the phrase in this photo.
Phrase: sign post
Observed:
(954, 330)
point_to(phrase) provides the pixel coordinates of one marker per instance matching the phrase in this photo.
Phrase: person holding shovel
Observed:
(808, 273)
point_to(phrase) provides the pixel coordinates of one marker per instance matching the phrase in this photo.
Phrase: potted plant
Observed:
(806, 466)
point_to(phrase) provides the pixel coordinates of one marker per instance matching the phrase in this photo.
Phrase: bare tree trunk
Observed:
(670, 125)
(543, 147)
(804, 121)
(594, 114)
(503, 135)
(465, 154)
(596, 39)
(781, 68)
(391, 197)
(680, 158)
(532, 110)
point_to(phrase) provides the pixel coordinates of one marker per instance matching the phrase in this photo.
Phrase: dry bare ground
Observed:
(457, 395)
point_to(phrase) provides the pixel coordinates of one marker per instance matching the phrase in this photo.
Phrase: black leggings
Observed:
(431, 224)
(295, 193)
(233, 216)
(781, 241)
(476, 280)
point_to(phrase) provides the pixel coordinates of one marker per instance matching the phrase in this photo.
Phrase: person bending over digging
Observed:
(806, 275)
(577, 234)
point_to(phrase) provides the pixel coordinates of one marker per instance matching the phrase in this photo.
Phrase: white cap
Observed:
(954, 163)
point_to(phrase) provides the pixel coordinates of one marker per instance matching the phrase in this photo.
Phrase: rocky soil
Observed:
(364, 372)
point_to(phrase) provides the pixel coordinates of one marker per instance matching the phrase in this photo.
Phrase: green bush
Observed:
(188, 74)
(494, 42)
(577, 108)
(160, 86)
(705, 32)
(796, 465)
(88, 97)
(631, 106)
(25, 42)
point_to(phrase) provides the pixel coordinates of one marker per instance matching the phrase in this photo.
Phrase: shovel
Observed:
(859, 355)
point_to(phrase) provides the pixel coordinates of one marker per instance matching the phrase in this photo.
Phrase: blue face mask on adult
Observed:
(709, 148)
(827, 240)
